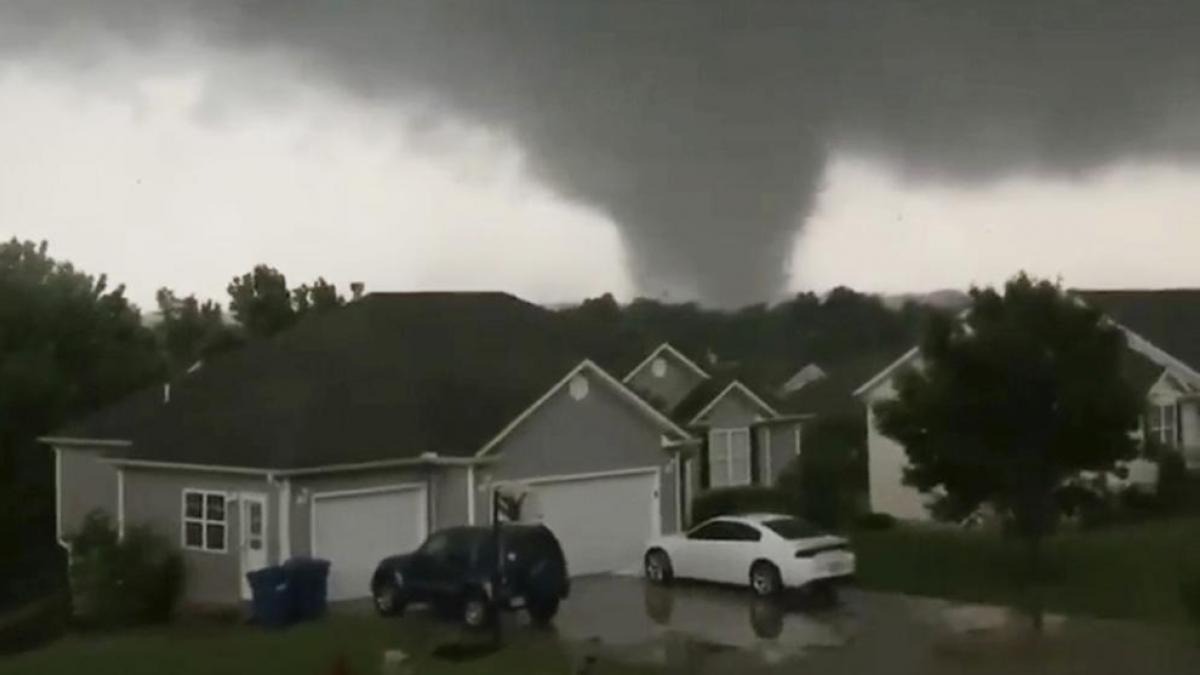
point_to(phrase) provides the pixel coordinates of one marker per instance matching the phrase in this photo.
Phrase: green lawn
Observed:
(307, 649)
(1129, 571)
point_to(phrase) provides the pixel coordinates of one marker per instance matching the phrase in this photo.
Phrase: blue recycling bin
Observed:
(309, 582)
(271, 596)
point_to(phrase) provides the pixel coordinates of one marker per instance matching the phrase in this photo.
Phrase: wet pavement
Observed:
(700, 629)
(709, 629)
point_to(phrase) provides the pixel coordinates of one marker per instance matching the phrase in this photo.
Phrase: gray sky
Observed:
(731, 151)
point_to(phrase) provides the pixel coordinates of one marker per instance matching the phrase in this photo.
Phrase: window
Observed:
(204, 522)
(792, 528)
(1160, 424)
(725, 530)
(728, 457)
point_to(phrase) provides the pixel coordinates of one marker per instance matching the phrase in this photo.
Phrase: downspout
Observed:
(283, 487)
(58, 525)
(120, 504)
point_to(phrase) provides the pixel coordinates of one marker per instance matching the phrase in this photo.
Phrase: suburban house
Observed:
(355, 433)
(1163, 364)
(743, 439)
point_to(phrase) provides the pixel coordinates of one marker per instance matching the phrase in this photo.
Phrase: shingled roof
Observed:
(1170, 319)
(408, 373)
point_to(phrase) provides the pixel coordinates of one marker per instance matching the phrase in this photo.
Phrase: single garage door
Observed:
(354, 530)
(603, 522)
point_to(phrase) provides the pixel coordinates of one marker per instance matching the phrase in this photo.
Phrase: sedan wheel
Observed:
(658, 567)
(764, 579)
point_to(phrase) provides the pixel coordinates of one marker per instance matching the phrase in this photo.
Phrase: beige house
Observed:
(1163, 332)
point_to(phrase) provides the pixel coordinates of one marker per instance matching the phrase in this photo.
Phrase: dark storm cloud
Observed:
(703, 128)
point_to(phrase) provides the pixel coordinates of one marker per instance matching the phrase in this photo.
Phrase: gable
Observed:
(665, 377)
(735, 405)
(806, 375)
(581, 383)
(580, 430)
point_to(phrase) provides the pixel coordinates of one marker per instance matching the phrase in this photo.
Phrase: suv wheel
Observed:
(542, 611)
(476, 611)
(658, 567)
(764, 579)
(388, 600)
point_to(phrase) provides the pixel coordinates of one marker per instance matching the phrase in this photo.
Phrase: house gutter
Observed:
(84, 442)
(782, 419)
(428, 459)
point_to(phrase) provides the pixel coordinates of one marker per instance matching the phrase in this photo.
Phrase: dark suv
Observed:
(457, 569)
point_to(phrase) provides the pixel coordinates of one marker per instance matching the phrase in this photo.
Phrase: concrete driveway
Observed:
(708, 629)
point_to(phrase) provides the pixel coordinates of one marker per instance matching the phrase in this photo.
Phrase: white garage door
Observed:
(354, 530)
(602, 522)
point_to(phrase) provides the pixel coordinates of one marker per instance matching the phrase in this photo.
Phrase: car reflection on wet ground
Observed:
(708, 629)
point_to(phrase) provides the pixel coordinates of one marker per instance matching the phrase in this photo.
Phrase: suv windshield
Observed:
(792, 528)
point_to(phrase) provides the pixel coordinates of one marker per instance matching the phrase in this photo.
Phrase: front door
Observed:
(253, 539)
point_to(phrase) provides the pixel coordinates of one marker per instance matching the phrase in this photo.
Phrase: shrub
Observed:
(122, 582)
(1172, 490)
(825, 482)
(1189, 591)
(876, 521)
(728, 501)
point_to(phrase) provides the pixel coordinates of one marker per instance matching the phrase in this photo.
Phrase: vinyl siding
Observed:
(601, 432)
(886, 463)
(87, 484)
(154, 498)
(675, 384)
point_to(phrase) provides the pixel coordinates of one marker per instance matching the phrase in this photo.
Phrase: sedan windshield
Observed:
(792, 528)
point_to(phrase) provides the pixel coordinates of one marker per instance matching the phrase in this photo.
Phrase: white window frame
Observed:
(727, 435)
(1161, 424)
(204, 521)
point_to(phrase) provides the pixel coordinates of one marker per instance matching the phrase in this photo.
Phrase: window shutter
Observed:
(703, 457)
(754, 463)
(1178, 425)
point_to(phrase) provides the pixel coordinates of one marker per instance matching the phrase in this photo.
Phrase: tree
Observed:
(68, 344)
(1022, 392)
(263, 305)
(191, 330)
(319, 297)
(261, 302)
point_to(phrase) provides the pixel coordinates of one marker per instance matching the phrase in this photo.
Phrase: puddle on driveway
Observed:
(702, 629)
(682, 623)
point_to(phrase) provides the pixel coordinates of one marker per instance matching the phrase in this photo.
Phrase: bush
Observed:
(876, 521)
(131, 581)
(728, 501)
(1189, 591)
(1173, 487)
(824, 484)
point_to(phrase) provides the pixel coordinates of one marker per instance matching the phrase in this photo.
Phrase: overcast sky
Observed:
(728, 151)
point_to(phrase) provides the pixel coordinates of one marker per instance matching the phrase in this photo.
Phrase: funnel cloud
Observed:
(703, 129)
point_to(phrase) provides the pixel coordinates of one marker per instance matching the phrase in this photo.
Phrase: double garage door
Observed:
(602, 522)
(354, 530)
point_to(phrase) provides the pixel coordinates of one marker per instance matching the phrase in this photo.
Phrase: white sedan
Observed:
(768, 552)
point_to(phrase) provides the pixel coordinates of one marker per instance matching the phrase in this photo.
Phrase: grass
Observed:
(306, 649)
(1130, 571)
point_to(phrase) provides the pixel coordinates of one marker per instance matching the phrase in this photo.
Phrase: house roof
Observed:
(834, 393)
(1166, 321)
(409, 373)
(706, 393)
(667, 348)
(1170, 319)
